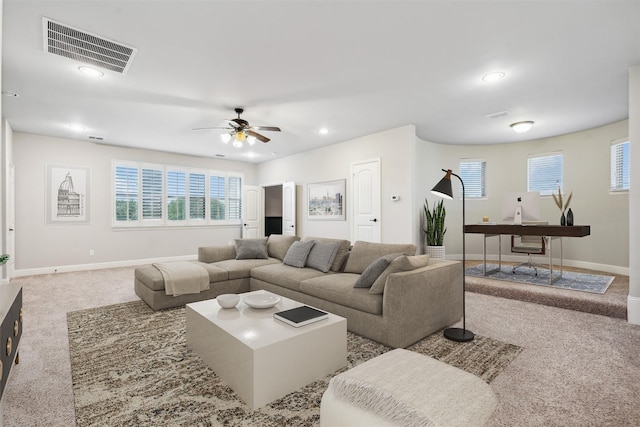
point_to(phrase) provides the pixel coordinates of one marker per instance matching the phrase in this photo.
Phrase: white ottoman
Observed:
(404, 388)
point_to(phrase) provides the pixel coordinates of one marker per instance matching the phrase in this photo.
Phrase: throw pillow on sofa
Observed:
(364, 253)
(343, 250)
(297, 254)
(401, 263)
(374, 270)
(322, 255)
(251, 248)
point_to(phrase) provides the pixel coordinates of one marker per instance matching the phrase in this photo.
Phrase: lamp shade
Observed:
(226, 137)
(443, 188)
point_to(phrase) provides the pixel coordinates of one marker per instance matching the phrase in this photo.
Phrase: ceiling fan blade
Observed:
(234, 124)
(273, 128)
(258, 136)
(215, 127)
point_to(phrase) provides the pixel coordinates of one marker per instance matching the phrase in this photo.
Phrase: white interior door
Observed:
(289, 209)
(252, 212)
(366, 201)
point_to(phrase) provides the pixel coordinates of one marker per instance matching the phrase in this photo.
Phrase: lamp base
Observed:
(458, 334)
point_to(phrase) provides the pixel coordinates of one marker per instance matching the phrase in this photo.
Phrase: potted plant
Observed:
(434, 228)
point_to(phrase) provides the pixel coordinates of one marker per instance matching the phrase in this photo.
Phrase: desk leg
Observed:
(552, 279)
(484, 255)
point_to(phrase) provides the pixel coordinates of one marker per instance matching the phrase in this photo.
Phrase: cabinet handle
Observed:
(9, 346)
(374, 220)
(16, 328)
(21, 314)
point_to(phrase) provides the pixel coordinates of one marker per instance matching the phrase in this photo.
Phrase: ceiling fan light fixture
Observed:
(226, 137)
(251, 139)
(240, 136)
(521, 127)
(237, 143)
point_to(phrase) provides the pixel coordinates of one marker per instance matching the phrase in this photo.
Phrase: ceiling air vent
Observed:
(498, 114)
(85, 47)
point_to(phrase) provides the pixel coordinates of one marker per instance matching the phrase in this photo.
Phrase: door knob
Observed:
(374, 220)
(244, 225)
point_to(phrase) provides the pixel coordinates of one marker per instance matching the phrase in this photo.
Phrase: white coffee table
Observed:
(260, 358)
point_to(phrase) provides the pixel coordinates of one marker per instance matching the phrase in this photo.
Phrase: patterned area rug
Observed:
(130, 366)
(593, 283)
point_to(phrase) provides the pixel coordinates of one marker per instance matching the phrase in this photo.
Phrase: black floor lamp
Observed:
(443, 189)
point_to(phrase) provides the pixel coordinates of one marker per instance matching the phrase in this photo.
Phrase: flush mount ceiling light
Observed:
(521, 127)
(493, 77)
(77, 127)
(91, 72)
(323, 131)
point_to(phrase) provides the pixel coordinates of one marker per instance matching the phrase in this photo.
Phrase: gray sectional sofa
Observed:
(385, 292)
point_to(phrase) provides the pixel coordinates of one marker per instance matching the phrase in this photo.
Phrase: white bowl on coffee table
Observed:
(228, 300)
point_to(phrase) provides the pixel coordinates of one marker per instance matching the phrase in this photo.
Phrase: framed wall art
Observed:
(67, 194)
(326, 200)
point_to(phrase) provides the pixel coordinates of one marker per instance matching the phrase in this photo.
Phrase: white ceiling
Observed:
(355, 67)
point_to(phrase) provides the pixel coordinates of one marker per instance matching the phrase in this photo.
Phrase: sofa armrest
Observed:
(211, 254)
(422, 300)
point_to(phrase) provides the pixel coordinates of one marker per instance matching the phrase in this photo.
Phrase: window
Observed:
(172, 196)
(473, 174)
(620, 166)
(151, 194)
(544, 173)
(126, 186)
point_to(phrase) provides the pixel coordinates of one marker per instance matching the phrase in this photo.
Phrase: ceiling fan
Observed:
(241, 130)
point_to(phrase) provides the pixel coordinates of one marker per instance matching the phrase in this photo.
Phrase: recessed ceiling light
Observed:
(9, 93)
(521, 127)
(493, 77)
(77, 127)
(90, 71)
(323, 131)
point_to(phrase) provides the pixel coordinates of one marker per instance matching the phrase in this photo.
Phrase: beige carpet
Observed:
(131, 366)
(575, 369)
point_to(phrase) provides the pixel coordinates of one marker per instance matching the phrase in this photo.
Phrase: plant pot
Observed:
(436, 252)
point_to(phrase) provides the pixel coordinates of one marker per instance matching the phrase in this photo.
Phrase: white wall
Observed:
(394, 147)
(42, 248)
(586, 173)
(633, 301)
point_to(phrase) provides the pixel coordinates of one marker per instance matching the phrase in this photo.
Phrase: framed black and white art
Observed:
(326, 200)
(67, 194)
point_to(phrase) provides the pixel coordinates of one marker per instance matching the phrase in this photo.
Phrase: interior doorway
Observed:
(273, 211)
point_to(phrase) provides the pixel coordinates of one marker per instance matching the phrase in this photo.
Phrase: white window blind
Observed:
(217, 185)
(473, 172)
(176, 195)
(151, 194)
(126, 197)
(235, 197)
(544, 173)
(620, 166)
(197, 200)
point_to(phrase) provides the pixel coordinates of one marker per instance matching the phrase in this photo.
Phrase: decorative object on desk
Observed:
(444, 190)
(570, 218)
(561, 206)
(434, 229)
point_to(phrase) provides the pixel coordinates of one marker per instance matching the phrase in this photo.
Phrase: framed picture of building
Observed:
(67, 194)
(326, 200)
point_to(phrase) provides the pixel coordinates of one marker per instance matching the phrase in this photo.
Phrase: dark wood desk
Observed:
(547, 232)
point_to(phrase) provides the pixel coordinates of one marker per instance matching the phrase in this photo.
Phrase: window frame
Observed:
(626, 161)
(164, 221)
(470, 182)
(558, 183)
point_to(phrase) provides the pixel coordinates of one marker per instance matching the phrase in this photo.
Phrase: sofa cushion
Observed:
(297, 254)
(322, 255)
(278, 245)
(251, 248)
(284, 275)
(364, 253)
(241, 268)
(401, 263)
(343, 251)
(338, 288)
(151, 277)
(374, 270)
(216, 253)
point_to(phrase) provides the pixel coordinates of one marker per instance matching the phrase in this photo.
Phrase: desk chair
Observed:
(530, 245)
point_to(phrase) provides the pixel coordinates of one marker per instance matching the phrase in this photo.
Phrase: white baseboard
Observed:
(97, 266)
(633, 310)
(614, 269)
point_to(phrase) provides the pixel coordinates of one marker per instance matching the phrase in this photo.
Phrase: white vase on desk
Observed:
(436, 252)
